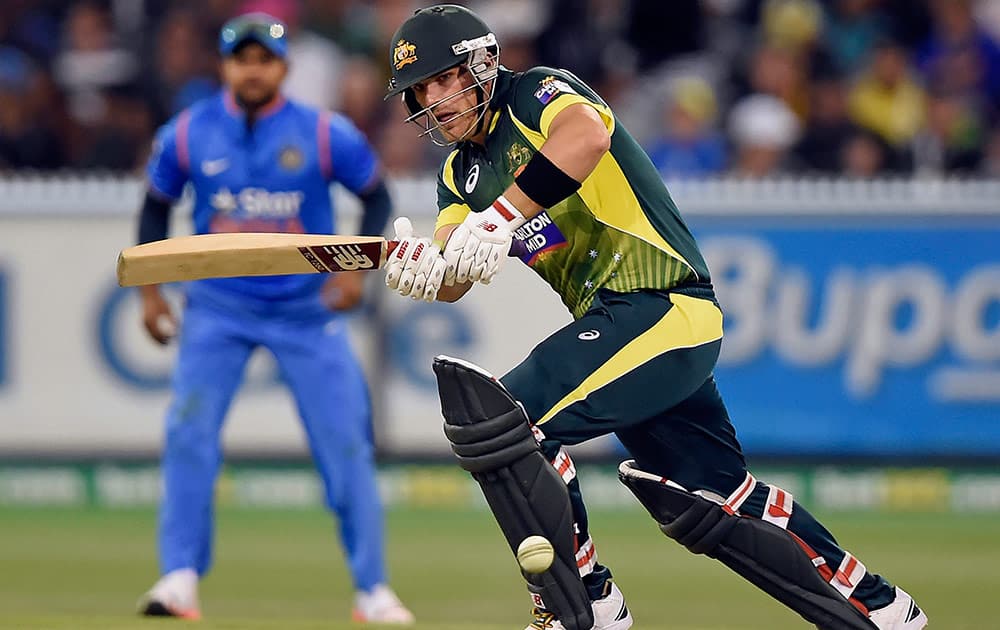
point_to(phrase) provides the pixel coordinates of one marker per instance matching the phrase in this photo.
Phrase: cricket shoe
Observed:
(174, 595)
(380, 605)
(901, 614)
(610, 613)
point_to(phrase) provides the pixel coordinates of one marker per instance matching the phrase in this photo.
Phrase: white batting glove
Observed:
(478, 247)
(415, 268)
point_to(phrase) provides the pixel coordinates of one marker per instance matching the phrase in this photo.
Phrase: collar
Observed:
(505, 81)
(498, 102)
(237, 112)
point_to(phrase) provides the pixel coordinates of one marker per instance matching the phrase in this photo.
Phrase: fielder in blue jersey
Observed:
(258, 162)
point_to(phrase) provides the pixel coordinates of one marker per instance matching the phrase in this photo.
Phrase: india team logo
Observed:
(404, 54)
(291, 158)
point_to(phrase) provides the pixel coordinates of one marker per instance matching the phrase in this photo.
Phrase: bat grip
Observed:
(516, 248)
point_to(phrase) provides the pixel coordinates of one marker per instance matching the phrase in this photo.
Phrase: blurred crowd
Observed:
(751, 88)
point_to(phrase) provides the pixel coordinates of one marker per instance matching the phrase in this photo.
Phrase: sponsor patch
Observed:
(549, 87)
(539, 235)
(258, 202)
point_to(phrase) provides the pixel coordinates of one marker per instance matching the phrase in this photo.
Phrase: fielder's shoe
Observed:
(174, 595)
(901, 614)
(380, 605)
(610, 613)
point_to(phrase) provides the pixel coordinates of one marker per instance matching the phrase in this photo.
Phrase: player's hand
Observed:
(343, 290)
(478, 247)
(157, 317)
(415, 268)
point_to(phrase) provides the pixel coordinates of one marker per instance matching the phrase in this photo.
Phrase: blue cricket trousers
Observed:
(315, 360)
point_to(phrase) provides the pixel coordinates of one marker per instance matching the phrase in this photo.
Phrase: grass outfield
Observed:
(84, 568)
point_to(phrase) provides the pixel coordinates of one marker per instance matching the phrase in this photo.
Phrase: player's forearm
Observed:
(377, 208)
(154, 225)
(154, 218)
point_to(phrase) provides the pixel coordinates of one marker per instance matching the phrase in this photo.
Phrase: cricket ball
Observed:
(535, 554)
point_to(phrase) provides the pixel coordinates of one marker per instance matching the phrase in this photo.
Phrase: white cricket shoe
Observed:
(610, 613)
(901, 614)
(380, 605)
(174, 595)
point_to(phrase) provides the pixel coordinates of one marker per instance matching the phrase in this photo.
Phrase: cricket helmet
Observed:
(434, 40)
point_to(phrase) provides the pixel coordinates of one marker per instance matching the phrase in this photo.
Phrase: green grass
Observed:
(83, 569)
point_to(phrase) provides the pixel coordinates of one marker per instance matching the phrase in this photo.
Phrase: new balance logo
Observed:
(343, 257)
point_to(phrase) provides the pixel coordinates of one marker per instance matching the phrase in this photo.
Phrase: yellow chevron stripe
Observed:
(690, 323)
(448, 174)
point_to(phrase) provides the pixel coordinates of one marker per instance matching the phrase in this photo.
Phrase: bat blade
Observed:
(247, 254)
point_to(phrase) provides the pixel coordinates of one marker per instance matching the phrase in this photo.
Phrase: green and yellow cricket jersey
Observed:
(620, 231)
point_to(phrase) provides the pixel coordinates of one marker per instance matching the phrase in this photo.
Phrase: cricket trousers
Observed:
(316, 362)
(639, 365)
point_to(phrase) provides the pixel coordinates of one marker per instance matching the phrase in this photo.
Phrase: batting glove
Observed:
(415, 268)
(478, 247)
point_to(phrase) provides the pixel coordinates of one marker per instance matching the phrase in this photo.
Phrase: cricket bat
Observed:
(248, 254)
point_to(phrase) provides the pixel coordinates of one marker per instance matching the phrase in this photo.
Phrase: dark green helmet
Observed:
(433, 40)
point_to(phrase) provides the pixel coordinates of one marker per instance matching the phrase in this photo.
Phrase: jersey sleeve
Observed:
(352, 160)
(167, 169)
(452, 208)
(541, 93)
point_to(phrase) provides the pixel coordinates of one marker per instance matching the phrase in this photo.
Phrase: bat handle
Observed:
(516, 248)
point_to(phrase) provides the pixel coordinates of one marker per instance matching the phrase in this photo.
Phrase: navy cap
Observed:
(266, 30)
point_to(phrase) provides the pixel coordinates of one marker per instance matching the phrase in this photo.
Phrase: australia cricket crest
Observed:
(404, 54)
(517, 157)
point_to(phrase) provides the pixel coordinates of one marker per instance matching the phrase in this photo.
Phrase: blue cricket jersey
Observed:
(272, 177)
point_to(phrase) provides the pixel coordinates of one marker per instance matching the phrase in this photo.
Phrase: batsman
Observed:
(542, 169)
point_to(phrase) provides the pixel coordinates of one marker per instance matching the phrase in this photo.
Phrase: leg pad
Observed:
(490, 435)
(765, 555)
